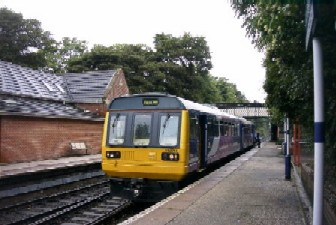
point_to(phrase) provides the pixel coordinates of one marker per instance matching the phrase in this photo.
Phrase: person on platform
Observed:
(258, 140)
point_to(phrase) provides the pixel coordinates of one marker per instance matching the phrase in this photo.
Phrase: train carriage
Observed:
(159, 138)
(248, 134)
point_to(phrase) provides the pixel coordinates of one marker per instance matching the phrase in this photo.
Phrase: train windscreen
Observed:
(144, 129)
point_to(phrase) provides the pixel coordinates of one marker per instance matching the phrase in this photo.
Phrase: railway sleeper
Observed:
(85, 219)
(90, 213)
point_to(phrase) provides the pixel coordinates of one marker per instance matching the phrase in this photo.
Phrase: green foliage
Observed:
(229, 92)
(58, 54)
(24, 42)
(279, 30)
(185, 61)
(192, 53)
(21, 39)
(135, 60)
(176, 65)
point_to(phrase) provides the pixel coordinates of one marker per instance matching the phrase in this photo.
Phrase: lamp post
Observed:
(319, 137)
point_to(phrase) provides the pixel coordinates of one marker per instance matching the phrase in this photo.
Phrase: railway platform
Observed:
(22, 178)
(250, 190)
(17, 169)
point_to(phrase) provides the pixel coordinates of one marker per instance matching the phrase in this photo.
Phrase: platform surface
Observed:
(15, 169)
(250, 190)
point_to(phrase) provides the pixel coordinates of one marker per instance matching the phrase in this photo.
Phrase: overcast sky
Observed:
(109, 22)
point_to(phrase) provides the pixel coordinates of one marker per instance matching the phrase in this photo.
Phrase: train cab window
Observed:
(142, 124)
(117, 129)
(169, 129)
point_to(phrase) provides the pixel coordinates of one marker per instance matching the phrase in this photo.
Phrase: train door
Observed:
(203, 121)
(241, 131)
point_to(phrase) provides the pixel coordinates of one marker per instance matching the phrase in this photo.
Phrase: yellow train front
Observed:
(155, 140)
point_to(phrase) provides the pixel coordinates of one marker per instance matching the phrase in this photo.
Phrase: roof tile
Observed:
(24, 91)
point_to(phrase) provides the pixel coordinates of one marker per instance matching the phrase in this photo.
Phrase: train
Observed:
(159, 140)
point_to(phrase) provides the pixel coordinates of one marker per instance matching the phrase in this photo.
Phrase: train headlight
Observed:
(170, 156)
(113, 154)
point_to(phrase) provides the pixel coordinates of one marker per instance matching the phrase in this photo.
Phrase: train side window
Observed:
(116, 131)
(221, 128)
(194, 136)
(231, 129)
(226, 129)
(142, 129)
(193, 128)
(213, 127)
(237, 129)
(169, 129)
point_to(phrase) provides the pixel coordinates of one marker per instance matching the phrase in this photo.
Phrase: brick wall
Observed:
(24, 139)
(28, 138)
(116, 88)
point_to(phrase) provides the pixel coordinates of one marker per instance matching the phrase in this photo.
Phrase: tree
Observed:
(192, 53)
(177, 65)
(57, 54)
(21, 39)
(185, 61)
(229, 92)
(279, 30)
(135, 60)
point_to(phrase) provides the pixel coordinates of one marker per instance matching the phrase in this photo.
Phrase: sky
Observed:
(109, 22)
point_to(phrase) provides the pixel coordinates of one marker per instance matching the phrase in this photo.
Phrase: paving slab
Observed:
(250, 190)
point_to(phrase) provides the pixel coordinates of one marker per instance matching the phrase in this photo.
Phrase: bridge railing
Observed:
(244, 109)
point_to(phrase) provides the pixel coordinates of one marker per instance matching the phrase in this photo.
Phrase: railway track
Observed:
(86, 202)
(90, 204)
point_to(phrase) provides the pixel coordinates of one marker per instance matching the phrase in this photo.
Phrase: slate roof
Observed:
(24, 91)
(88, 87)
(21, 81)
(10, 105)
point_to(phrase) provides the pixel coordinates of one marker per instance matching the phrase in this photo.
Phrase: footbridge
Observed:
(246, 110)
(255, 112)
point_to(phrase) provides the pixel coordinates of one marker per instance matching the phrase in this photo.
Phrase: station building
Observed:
(46, 116)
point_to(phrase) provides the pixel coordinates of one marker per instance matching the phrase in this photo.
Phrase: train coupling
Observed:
(126, 188)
